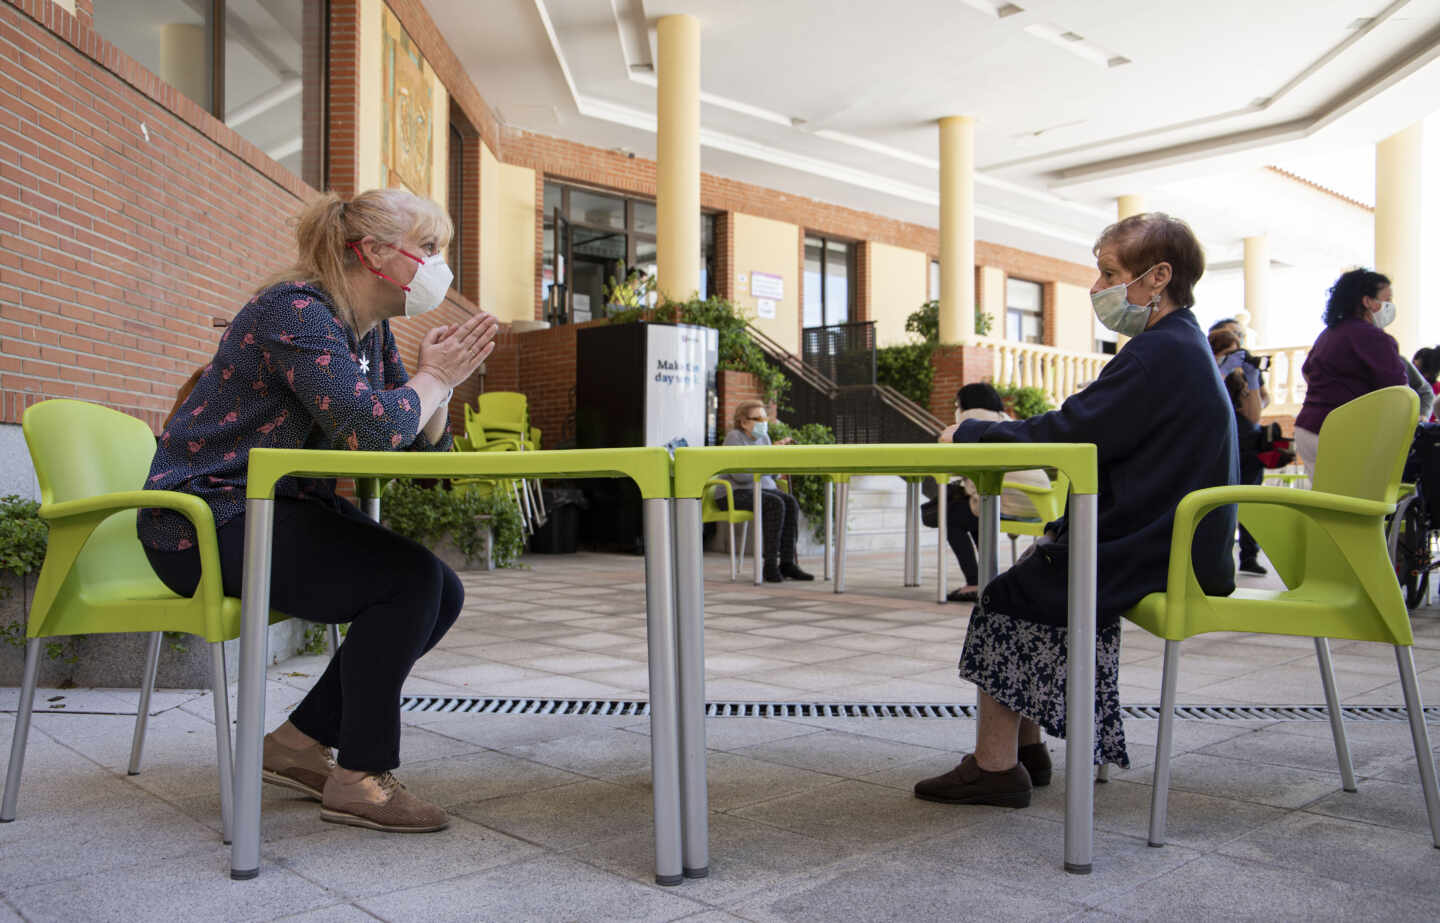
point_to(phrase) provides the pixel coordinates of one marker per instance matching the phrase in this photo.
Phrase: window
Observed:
(829, 282)
(258, 66)
(457, 178)
(1024, 312)
(934, 280)
(592, 236)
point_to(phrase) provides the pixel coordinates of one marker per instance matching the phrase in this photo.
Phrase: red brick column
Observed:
(956, 366)
(342, 174)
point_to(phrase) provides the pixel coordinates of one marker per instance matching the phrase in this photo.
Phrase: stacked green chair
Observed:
(1328, 546)
(91, 463)
(501, 420)
(710, 511)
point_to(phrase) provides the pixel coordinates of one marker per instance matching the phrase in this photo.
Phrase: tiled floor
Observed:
(812, 819)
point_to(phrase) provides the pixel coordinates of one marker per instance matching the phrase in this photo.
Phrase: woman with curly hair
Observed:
(1351, 357)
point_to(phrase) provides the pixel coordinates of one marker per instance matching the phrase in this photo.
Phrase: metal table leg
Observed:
(942, 578)
(841, 518)
(250, 728)
(1080, 689)
(912, 553)
(759, 545)
(664, 727)
(829, 522)
(989, 539)
(690, 640)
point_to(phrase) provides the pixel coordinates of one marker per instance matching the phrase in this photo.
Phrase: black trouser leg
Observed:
(962, 530)
(773, 520)
(341, 567)
(1249, 548)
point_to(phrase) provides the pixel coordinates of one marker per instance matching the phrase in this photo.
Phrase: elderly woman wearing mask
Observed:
(780, 516)
(1162, 426)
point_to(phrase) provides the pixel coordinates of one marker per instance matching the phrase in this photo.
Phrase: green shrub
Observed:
(907, 368)
(429, 515)
(807, 489)
(1025, 402)
(738, 352)
(23, 535)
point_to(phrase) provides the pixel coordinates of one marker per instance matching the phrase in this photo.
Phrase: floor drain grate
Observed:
(601, 708)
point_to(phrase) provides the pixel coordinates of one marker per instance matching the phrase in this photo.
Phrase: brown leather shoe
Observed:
(379, 802)
(969, 784)
(304, 770)
(1036, 760)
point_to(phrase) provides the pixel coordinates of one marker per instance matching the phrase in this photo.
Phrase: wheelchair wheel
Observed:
(1412, 554)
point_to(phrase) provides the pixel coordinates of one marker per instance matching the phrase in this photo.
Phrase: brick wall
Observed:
(732, 388)
(956, 366)
(129, 217)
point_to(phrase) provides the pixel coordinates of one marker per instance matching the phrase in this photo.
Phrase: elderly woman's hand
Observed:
(949, 433)
(788, 440)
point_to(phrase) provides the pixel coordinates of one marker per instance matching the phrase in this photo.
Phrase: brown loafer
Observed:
(379, 802)
(1036, 760)
(969, 784)
(304, 770)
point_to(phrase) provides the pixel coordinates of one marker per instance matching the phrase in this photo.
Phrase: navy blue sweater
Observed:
(1163, 426)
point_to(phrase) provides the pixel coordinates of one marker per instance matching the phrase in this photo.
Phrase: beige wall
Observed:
(898, 282)
(369, 169)
(992, 298)
(490, 199)
(514, 242)
(1074, 318)
(440, 141)
(770, 246)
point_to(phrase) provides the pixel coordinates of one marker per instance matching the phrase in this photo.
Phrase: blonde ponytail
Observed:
(326, 228)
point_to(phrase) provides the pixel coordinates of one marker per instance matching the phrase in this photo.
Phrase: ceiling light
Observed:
(991, 8)
(1118, 61)
(1360, 23)
(1072, 36)
(1008, 9)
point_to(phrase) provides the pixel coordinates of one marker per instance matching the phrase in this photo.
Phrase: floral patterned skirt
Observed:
(1022, 665)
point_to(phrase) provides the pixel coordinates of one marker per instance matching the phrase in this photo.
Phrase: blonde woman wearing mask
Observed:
(310, 362)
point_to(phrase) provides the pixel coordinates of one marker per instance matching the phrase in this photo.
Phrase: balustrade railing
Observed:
(1283, 378)
(1058, 372)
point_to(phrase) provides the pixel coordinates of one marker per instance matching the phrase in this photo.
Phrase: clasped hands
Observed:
(452, 352)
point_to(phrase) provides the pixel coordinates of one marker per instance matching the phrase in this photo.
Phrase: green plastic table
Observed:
(984, 464)
(649, 468)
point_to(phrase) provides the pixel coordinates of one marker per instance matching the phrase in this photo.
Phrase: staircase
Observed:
(858, 414)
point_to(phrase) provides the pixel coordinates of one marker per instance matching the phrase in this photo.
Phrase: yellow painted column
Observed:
(1398, 167)
(1127, 205)
(957, 229)
(1257, 290)
(677, 192)
(184, 60)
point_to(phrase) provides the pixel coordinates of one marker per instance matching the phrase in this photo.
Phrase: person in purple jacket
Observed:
(310, 362)
(1352, 356)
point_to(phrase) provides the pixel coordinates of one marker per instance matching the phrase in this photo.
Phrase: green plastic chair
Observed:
(710, 511)
(1328, 547)
(91, 462)
(1049, 505)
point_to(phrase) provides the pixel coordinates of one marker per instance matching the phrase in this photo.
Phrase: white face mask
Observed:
(760, 428)
(1385, 316)
(1114, 310)
(426, 291)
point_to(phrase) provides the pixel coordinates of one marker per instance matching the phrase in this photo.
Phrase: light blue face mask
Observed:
(1114, 310)
(760, 428)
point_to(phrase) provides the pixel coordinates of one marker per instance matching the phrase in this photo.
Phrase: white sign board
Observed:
(765, 285)
(681, 360)
(765, 307)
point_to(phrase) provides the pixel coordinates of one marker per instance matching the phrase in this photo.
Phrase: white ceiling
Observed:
(837, 99)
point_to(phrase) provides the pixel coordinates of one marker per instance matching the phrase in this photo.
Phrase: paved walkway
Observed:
(812, 819)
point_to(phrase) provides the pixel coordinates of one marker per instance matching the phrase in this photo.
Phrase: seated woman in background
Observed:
(1352, 356)
(962, 519)
(780, 516)
(1162, 426)
(310, 362)
(1427, 363)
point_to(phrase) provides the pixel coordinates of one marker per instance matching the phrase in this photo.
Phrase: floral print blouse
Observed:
(287, 374)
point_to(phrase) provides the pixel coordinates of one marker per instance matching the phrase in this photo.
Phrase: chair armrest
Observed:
(1030, 490)
(1196, 504)
(82, 516)
(729, 490)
